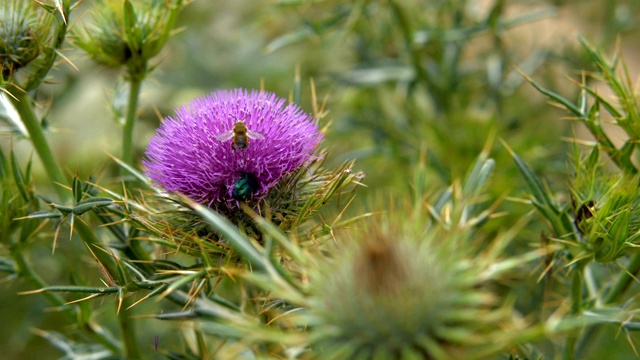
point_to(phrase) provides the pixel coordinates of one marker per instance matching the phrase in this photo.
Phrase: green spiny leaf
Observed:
(538, 190)
(559, 218)
(42, 215)
(601, 100)
(63, 209)
(91, 204)
(478, 176)
(78, 289)
(557, 98)
(273, 231)
(184, 280)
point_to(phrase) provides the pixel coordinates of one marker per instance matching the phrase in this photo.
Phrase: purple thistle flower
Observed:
(194, 153)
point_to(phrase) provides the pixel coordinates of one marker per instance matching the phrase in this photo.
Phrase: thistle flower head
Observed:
(205, 153)
(23, 30)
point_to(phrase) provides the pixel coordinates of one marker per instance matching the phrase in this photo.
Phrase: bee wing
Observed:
(227, 135)
(254, 135)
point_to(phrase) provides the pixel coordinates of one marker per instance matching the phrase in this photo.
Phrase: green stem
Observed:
(135, 84)
(576, 308)
(126, 325)
(128, 335)
(619, 288)
(625, 280)
(22, 103)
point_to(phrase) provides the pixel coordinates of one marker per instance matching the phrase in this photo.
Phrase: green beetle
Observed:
(245, 187)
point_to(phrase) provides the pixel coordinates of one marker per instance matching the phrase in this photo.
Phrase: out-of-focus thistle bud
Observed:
(24, 31)
(420, 282)
(124, 35)
(402, 293)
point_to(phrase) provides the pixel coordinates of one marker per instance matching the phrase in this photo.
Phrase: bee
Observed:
(240, 135)
(245, 187)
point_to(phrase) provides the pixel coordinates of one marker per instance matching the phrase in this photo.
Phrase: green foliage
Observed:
(590, 105)
(600, 226)
(438, 74)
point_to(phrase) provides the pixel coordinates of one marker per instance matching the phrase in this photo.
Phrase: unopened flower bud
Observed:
(23, 32)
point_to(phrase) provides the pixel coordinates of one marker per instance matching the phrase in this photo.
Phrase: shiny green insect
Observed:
(245, 187)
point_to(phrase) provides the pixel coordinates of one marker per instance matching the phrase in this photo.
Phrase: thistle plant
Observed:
(422, 287)
(29, 47)
(397, 295)
(273, 167)
(599, 226)
(30, 36)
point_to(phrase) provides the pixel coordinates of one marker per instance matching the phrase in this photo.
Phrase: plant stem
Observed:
(128, 336)
(576, 308)
(135, 84)
(126, 325)
(22, 103)
(619, 288)
(624, 281)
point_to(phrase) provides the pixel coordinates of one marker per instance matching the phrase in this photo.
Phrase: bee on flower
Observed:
(240, 135)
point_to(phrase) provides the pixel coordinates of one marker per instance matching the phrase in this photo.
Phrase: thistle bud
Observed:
(24, 29)
(124, 35)
(606, 209)
(398, 293)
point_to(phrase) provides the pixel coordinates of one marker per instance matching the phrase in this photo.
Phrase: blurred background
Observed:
(403, 80)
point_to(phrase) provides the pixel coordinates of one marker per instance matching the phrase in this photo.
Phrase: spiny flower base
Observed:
(288, 205)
